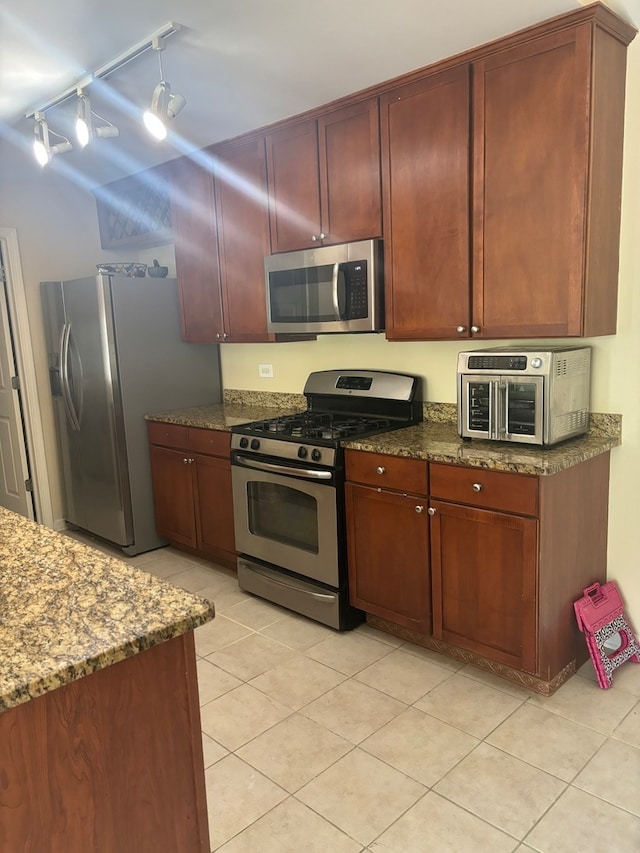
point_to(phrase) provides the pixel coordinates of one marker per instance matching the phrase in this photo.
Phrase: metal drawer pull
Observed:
(380, 469)
(477, 487)
(419, 508)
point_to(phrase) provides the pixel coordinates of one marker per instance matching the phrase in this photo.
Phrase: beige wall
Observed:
(58, 236)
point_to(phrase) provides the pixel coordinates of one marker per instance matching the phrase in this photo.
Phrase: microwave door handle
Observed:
(334, 291)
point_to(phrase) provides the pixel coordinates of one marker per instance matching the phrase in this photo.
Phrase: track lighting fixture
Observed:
(42, 148)
(85, 130)
(165, 105)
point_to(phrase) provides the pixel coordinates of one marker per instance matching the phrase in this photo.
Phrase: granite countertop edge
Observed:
(435, 439)
(68, 610)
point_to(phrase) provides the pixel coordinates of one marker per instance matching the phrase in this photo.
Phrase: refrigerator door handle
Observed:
(65, 340)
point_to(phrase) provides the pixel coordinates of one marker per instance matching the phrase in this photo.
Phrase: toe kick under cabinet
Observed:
(504, 555)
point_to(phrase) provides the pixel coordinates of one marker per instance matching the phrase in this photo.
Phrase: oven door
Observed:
(286, 514)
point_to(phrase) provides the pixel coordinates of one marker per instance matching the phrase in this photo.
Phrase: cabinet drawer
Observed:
(215, 442)
(517, 493)
(168, 435)
(386, 472)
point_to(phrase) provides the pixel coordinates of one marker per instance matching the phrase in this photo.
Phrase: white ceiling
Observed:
(239, 63)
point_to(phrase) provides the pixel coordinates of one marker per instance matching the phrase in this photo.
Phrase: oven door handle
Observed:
(305, 473)
(321, 595)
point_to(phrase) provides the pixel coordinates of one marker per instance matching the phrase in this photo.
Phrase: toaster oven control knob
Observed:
(302, 452)
(244, 441)
(536, 363)
(255, 444)
(316, 455)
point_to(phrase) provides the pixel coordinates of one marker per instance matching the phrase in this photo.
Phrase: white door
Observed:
(15, 484)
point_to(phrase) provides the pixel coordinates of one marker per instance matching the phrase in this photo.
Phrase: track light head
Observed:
(83, 121)
(85, 131)
(41, 139)
(42, 148)
(164, 104)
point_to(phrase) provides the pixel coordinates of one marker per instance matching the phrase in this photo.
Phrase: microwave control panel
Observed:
(356, 276)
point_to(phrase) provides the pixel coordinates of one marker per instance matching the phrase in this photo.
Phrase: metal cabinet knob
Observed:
(475, 330)
(431, 510)
(419, 509)
(322, 235)
(477, 487)
(314, 238)
(461, 329)
(380, 469)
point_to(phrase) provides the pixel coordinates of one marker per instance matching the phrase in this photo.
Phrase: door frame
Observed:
(34, 435)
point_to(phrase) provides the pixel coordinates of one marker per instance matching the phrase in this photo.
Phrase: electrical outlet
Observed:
(265, 371)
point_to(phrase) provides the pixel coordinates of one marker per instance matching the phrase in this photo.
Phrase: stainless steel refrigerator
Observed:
(115, 353)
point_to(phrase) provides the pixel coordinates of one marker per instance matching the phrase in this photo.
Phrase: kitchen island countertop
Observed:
(67, 610)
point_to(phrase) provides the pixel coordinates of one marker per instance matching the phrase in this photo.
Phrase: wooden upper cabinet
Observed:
(196, 251)
(425, 181)
(324, 179)
(243, 236)
(548, 130)
(350, 193)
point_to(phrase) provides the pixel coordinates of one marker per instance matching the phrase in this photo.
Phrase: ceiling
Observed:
(240, 64)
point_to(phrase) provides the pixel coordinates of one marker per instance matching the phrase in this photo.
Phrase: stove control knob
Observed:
(255, 444)
(316, 455)
(244, 441)
(302, 452)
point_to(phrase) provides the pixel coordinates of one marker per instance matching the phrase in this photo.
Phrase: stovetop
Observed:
(316, 426)
(342, 405)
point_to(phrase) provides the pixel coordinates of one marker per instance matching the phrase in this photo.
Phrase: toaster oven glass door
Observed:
(503, 408)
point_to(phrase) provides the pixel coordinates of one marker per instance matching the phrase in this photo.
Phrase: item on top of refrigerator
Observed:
(156, 271)
(130, 268)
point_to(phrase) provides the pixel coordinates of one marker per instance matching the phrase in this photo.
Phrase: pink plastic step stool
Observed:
(600, 615)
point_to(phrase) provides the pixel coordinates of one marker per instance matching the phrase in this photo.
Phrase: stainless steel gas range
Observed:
(288, 488)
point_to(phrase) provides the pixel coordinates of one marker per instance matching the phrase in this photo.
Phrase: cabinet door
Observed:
(196, 251)
(243, 237)
(214, 506)
(294, 190)
(483, 566)
(172, 481)
(425, 186)
(349, 151)
(387, 537)
(531, 126)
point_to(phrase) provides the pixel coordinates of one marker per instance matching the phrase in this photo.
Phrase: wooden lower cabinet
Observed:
(483, 566)
(192, 490)
(388, 541)
(509, 553)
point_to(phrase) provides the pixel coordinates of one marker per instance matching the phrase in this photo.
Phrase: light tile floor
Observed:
(320, 741)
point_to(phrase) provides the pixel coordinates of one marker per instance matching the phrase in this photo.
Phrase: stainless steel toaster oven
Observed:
(525, 394)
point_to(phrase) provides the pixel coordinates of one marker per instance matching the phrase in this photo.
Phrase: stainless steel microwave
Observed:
(326, 290)
(527, 395)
